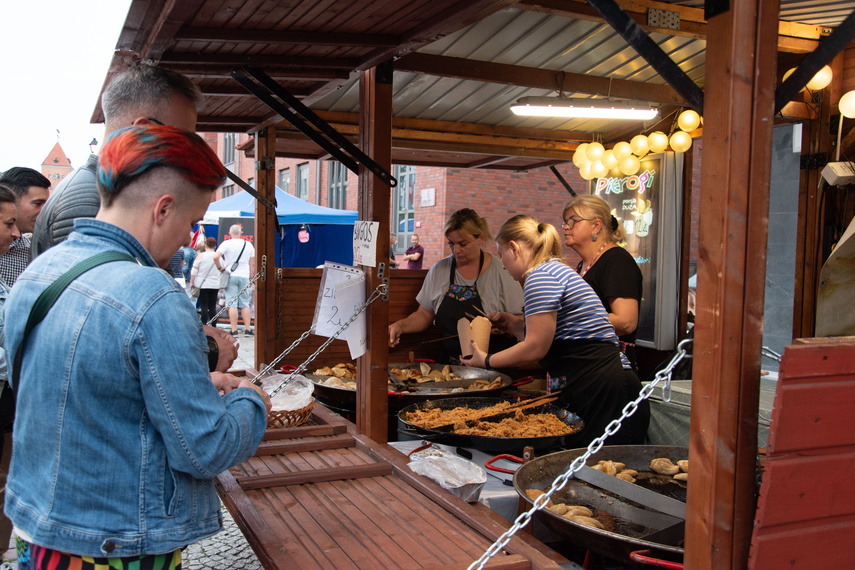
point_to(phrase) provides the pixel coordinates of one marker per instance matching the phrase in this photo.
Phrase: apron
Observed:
(596, 388)
(458, 300)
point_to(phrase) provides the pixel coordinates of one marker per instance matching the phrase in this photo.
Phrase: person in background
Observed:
(207, 277)
(565, 328)
(238, 257)
(415, 253)
(393, 239)
(176, 266)
(466, 281)
(8, 234)
(592, 232)
(120, 428)
(141, 95)
(31, 189)
(189, 258)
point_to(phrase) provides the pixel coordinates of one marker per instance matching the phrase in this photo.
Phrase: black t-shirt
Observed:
(615, 274)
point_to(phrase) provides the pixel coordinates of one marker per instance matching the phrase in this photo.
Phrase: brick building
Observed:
(56, 166)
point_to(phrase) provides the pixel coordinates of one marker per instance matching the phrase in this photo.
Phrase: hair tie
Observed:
(614, 224)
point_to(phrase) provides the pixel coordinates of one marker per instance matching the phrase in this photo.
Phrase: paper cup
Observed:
(478, 329)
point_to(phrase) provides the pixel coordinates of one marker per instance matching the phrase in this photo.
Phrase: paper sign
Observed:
(365, 243)
(350, 295)
(328, 316)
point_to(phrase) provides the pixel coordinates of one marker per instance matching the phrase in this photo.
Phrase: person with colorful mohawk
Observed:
(120, 427)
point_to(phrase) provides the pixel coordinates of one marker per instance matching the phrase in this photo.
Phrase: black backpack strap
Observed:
(49, 296)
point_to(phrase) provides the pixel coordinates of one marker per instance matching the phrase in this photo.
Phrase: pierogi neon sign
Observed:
(637, 182)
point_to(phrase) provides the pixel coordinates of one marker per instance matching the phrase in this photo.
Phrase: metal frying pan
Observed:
(631, 523)
(483, 443)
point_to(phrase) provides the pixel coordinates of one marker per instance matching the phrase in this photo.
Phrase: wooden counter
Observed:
(322, 496)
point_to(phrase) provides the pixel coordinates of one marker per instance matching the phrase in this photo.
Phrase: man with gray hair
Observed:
(237, 256)
(142, 95)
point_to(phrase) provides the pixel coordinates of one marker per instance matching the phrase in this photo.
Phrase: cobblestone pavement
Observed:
(226, 550)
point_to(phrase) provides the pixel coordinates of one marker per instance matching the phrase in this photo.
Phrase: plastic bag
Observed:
(460, 476)
(295, 395)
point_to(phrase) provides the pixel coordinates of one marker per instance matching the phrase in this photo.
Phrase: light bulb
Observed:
(585, 171)
(847, 105)
(657, 141)
(630, 165)
(609, 160)
(681, 141)
(821, 80)
(621, 150)
(638, 145)
(579, 157)
(598, 170)
(594, 151)
(616, 172)
(688, 120)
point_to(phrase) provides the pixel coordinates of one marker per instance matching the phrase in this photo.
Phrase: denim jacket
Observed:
(4, 292)
(119, 430)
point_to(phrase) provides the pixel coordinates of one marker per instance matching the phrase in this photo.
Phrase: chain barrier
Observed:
(593, 447)
(378, 292)
(252, 281)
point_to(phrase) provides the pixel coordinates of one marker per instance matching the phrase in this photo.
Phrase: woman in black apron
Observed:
(568, 330)
(468, 281)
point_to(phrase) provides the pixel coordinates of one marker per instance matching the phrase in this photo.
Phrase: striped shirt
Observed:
(552, 286)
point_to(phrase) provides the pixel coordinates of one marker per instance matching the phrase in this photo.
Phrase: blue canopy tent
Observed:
(329, 231)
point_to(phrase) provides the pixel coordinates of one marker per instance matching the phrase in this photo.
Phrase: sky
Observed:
(55, 55)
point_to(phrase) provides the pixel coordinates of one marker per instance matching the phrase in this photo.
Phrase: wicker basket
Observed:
(289, 418)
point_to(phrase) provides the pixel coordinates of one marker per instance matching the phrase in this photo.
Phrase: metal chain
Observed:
(579, 462)
(769, 353)
(378, 292)
(236, 297)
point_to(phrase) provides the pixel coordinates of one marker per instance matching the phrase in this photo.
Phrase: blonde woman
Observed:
(565, 328)
(592, 232)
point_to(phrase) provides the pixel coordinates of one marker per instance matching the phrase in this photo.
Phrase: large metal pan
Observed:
(628, 532)
(483, 443)
(345, 399)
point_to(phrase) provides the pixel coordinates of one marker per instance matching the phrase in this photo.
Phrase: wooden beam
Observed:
(167, 21)
(734, 205)
(238, 91)
(210, 71)
(319, 475)
(534, 78)
(375, 140)
(490, 160)
(257, 60)
(793, 37)
(265, 249)
(285, 37)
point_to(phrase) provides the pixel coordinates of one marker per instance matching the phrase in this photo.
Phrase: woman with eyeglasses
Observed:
(566, 329)
(467, 281)
(592, 232)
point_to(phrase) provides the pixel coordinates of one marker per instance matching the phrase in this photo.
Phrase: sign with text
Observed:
(330, 314)
(350, 295)
(365, 243)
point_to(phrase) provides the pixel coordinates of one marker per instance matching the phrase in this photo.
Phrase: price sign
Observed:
(329, 317)
(350, 295)
(365, 243)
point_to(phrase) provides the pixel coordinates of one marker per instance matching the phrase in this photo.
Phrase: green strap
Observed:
(49, 296)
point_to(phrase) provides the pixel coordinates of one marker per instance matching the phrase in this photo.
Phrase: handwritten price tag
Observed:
(365, 243)
(329, 316)
(350, 295)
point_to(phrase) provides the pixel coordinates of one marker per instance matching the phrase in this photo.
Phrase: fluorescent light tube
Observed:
(590, 108)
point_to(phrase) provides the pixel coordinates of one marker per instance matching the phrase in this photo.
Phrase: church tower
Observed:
(56, 166)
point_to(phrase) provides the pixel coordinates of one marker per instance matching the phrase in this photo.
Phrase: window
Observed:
(404, 203)
(285, 179)
(228, 190)
(251, 182)
(228, 148)
(337, 185)
(302, 181)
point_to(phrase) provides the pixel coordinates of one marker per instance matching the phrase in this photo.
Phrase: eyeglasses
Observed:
(155, 121)
(571, 221)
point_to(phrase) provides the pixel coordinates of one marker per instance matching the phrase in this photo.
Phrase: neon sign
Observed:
(638, 182)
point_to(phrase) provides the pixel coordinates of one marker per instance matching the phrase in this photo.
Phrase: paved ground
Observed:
(226, 550)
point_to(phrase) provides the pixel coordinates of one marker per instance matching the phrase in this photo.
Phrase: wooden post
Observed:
(375, 140)
(738, 121)
(265, 246)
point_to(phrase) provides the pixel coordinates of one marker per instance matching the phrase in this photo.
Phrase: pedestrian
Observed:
(206, 276)
(393, 239)
(415, 255)
(31, 190)
(237, 256)
(120, 428)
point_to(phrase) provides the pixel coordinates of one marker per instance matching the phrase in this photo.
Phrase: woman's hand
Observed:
(477, 358)
(506, 322)
(395, 333)
(415, 322)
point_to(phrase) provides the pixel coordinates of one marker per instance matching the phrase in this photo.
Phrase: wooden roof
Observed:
(458, 67)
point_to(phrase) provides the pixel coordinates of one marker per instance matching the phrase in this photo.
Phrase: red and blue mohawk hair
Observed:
(132, 151)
